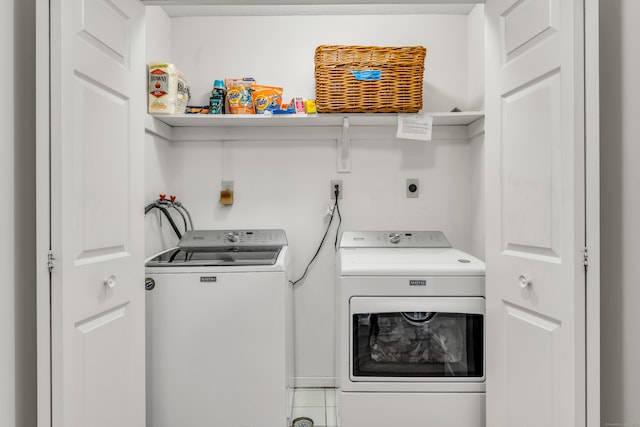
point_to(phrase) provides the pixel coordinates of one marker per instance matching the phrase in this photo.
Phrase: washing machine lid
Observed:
(212, 248)
(215, 257)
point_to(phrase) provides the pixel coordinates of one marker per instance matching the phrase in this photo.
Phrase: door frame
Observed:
(43, 214)
(592, 207)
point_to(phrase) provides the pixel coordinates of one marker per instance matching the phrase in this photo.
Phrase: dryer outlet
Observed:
(413, 187)
(332, 189)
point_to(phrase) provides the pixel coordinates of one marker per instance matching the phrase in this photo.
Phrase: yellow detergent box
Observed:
(310, 106)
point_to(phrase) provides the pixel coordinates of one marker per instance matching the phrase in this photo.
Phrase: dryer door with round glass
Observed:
(417, 339)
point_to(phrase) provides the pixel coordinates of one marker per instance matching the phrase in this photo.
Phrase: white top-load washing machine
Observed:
(410, 331)
(219, 331)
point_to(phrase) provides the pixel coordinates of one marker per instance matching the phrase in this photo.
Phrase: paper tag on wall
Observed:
(415, 126)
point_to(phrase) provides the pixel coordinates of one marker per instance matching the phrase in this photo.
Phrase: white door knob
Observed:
(524, 281)
(110, 282)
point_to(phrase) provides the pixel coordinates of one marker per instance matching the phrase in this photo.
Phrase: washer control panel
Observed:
(202, 239)
(391, 239)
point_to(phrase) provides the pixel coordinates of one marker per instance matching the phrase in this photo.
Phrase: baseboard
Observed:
(315, 382)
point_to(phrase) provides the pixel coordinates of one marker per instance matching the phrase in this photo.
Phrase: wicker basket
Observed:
(369, 79)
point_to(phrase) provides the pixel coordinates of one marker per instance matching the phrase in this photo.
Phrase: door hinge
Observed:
(50, 259)
(585, 257)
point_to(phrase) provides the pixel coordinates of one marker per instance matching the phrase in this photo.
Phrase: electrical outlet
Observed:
(332, 189)
(413, 187)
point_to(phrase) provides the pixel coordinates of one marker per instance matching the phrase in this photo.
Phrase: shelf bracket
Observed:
(344, 148)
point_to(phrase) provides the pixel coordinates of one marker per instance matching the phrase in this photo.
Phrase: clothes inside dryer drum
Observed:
(389, 344)
(394, 339)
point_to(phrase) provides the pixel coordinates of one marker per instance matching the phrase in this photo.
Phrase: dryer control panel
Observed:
(394, 239)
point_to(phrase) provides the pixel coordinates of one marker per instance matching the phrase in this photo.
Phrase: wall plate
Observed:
(332, 189)
(413, 188)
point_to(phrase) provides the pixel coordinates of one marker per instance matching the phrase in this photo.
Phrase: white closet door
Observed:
(97, 284)
(535, 148)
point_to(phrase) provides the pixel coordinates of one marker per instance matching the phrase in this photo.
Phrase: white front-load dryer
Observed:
(410, 331)
(219, 331)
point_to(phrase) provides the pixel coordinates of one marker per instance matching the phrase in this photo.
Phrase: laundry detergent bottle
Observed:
(216, 102)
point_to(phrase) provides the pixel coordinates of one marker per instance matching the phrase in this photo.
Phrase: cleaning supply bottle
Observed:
(216, 102)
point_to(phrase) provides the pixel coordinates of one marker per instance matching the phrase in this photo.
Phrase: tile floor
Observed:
(319, 404)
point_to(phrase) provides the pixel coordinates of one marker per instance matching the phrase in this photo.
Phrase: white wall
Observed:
(475, 52)
(159, 170)
(17, 247)
(279, 51)
(285, 184)
(620, 211)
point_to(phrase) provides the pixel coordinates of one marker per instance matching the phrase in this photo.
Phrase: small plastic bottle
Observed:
(216, 102)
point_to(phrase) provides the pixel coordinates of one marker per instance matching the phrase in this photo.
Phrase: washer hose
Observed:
(167, 215)
(184, 219)
(181, 206)
(150, 206)
(163, 204)
(173, 224)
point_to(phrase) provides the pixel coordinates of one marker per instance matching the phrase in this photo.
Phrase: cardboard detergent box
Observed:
(169, 91)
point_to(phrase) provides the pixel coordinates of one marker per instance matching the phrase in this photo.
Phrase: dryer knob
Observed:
(394, 238)
(232, 237)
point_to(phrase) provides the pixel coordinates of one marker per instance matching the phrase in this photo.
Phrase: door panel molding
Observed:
(533, 355)
(104, 342)
(102, 167)
(107, 28)
(526, 24)
(531, 169)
